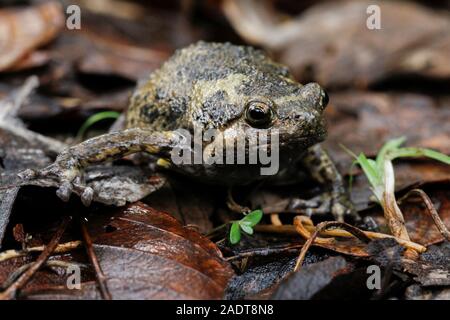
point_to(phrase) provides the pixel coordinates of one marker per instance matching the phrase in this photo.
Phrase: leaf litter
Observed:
(264, 261)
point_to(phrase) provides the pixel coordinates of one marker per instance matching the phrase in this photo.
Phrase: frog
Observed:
(235, 89)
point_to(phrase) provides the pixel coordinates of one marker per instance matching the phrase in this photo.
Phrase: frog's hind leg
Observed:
(67, 170)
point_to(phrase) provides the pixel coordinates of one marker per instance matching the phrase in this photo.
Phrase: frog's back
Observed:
(176, 95)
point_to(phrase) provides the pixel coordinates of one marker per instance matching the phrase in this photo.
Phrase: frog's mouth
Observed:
(302, 140)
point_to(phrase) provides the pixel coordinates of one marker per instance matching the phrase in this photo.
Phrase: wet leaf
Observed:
(186, 200)
(147, 254)
(260, 276)
(432, 269)
(312, 278)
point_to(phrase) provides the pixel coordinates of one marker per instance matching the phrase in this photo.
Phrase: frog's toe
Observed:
(64, 191)
(316, 206)
(297, 203)
(343, 209)
(28, 174)
(87, 196)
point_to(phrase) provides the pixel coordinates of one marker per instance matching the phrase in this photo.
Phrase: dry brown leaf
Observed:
(147, 254)
(24, 30)
(331, 44)
(419, 224)
(364, 121)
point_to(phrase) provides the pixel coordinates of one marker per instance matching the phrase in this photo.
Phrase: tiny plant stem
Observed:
(101, 279)
(12, 290)
(432, 212)
(392, 212)
(94, 119)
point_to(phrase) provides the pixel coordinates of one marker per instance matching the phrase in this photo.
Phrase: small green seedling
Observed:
(246, 224)
(94, 119)
(377, 171)
(380, 173)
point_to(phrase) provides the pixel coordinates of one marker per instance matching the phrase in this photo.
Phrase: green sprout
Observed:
(246, 224)
(380, 173)
(377, 170)
(94, 119)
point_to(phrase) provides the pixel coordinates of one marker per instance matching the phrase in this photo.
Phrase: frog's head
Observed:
(240, 90)
(278, 102)
(297, 114)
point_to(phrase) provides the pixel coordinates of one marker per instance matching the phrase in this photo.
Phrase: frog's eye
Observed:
(258, 114)
(325, 99)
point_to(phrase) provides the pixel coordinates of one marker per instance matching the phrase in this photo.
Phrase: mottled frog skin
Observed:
(215, 85)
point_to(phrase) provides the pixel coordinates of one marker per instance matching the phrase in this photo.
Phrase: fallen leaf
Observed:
(330, 42)
(364, 121)
(304, 284)
(431, 269)
(419, 224)
(24, 30)
(147, 254)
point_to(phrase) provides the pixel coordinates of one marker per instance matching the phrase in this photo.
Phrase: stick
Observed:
(431, 211)
(323, 226)
(101, 279)
(290, 229)
(61, 248)
(12, 290)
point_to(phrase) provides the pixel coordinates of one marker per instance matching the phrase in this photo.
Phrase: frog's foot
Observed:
(336, 204)
(66, 177)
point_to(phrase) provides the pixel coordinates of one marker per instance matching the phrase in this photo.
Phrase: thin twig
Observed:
(290, 229)
(12, 290)
(432, 211)
(323, 226)
(61, 248)
(264, 252)
(101, 279)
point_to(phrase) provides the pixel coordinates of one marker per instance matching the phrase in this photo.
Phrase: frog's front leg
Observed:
(335, 199)
(67, 170)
